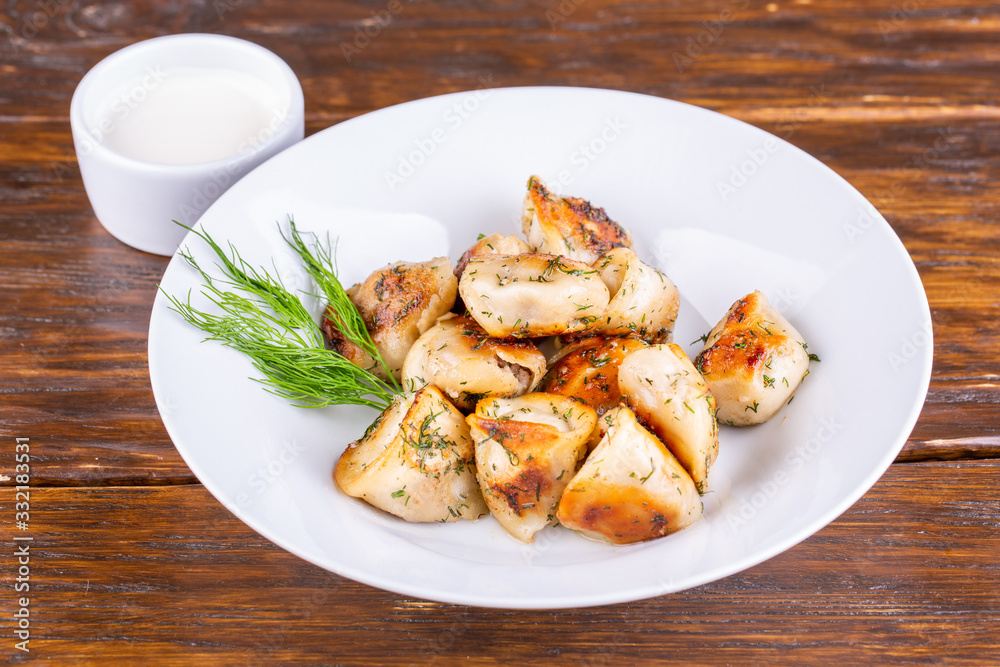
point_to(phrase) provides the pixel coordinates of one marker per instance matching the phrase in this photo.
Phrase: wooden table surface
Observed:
(134, 562)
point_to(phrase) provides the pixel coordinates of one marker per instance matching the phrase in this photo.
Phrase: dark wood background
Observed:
(135, 563)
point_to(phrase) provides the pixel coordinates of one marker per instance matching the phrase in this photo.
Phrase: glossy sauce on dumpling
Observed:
(587, 371)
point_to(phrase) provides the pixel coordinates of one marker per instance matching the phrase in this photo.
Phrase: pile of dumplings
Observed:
(613, 436)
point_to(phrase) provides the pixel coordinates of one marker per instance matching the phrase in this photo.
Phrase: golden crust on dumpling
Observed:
(630, 489)
(527, 449)
(753, 361)
(568, 226)
(398, 303)
(587, 370)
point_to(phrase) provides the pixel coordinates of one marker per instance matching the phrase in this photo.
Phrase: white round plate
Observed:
(722, 207)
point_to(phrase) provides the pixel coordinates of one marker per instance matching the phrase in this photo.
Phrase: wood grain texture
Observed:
(132, 572)
(74, 302)
(136, 563)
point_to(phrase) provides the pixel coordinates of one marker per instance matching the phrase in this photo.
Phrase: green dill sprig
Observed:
(264, 320)
(320, 265)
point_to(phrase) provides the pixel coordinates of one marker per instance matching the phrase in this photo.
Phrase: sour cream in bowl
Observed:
(163, 127)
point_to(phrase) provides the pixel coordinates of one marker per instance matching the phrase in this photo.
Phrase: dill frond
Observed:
(264, 320)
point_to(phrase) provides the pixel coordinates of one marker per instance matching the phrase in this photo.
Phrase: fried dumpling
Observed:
(494, 244)
(398, 303)
(416, 461)
(667, 393)
(753, 361)
(587, 370)
(458, 357)
(532, 295)
(644, 301)
(568, 226)
(630, 489)
(527, 449)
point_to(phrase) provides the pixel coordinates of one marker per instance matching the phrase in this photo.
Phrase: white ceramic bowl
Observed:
(138, 201)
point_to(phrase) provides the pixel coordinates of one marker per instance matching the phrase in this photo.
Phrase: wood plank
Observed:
(721, 54)
(74, 311)
(909, 574)
(948, 449)
(858, 85)
(75, 322)
(144, 565)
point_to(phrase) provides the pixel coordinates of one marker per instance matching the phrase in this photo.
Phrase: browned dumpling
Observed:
(494, 244)
(398, 303)
(458, 357)
(532, 295)
(644, 301)
(568, 226)
(416, 461)
(753, 361)
(527, 449)
(587, 370)
(630, 489)
(667, 393)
